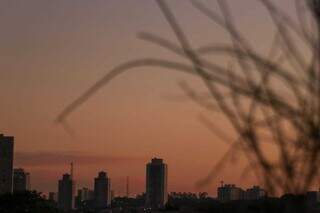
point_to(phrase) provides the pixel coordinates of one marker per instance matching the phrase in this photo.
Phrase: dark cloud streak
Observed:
(39, 159)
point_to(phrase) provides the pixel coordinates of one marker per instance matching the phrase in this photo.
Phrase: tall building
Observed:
(102, 191)
(156, 184)
(66, 193)
(21, 180)
(6, 163)
(230, 192)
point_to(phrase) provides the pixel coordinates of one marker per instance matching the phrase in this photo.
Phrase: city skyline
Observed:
(71, 197)
(156, 175)
(57, 52)
(23, 181)
(70, 166)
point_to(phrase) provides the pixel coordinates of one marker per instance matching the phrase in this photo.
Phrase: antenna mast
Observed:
(127, 186)
(71, 170)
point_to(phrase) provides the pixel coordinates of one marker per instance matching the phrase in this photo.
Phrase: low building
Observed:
(313, 196)
(84, 194)
(21, 180)
(53, 196)
(255, 193)
(230, 192)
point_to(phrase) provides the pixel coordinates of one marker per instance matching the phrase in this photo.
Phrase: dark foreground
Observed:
(33, 202)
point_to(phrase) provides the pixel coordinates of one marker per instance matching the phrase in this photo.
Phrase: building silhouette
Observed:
(53, 196)
(313, 196)
(230, 192)
(112, 194)
(84, 194)
(6, 163)
(255, 193)
(102, 191)
(156, 184)
(66, 191)
(21, 180)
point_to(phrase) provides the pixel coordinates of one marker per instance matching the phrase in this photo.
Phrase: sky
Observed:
(52, 51)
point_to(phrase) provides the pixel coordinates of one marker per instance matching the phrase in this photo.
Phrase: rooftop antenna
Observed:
(127, 186)
(71, 170)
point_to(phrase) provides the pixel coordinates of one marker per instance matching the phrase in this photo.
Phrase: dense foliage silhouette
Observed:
(26, 202)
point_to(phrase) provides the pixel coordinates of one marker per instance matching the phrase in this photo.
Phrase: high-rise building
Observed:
(102, 191)
(66, 193)
(156, 184)
(21, 180)
(230, 192)
(6, 163)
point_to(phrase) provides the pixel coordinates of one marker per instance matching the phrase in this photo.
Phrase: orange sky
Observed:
(52, 51)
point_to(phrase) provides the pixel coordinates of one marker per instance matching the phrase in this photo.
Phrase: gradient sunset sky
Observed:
(51, 51)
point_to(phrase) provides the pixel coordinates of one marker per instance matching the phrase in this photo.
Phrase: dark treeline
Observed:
(201, 203)
(26, 202)
(177, 202)
(285, 204)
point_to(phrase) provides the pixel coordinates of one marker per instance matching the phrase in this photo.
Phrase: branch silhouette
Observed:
(263, 97)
